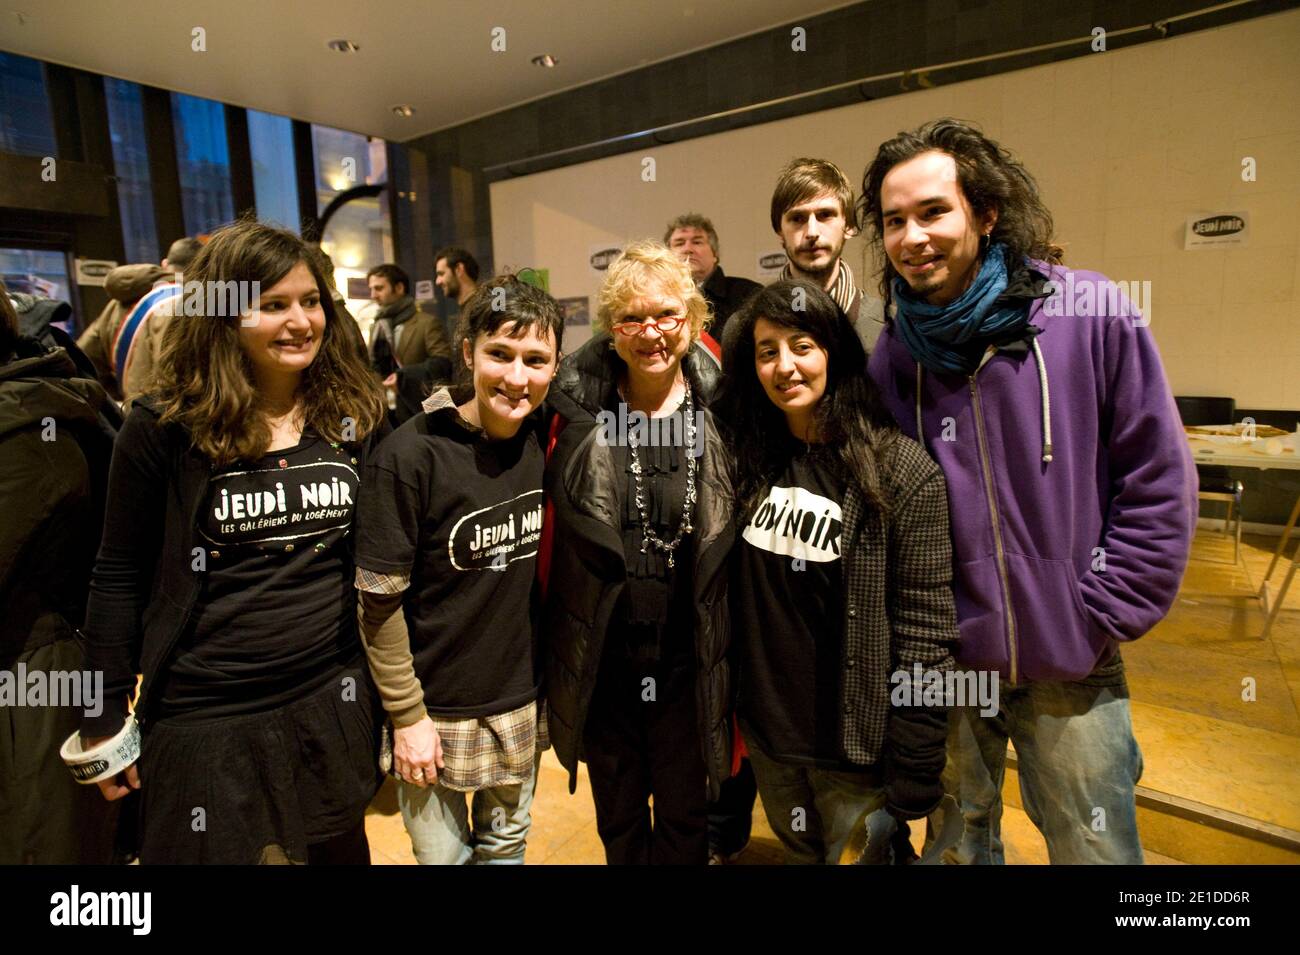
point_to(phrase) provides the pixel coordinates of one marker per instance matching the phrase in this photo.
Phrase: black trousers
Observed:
(348, 848)
(641, 742)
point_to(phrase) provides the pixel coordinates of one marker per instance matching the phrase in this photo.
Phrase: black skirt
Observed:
(262, 787)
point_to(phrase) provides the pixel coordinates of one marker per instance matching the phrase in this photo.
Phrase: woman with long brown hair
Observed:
(225, 573)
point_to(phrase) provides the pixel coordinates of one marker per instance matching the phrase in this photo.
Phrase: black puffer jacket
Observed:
(588, 569)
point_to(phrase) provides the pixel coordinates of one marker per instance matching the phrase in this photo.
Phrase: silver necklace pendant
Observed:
(648, 536)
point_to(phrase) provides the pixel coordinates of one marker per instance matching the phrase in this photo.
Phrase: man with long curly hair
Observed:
(1072, 490)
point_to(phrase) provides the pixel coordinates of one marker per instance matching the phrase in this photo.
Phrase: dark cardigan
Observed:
(150, 567)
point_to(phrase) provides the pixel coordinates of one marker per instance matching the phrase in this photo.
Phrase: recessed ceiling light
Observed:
(545, 60)
(403, 110)
(343, 46)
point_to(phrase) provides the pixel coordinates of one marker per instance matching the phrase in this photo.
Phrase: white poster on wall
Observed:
(1217, 230)
(424, 289)
(770, 264)
(93, 271)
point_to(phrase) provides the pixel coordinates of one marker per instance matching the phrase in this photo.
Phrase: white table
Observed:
(1250, 454)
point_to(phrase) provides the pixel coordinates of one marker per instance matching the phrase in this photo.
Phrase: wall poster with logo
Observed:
(770, 264)
(93, 271)
(600, 257)
(1217, 230)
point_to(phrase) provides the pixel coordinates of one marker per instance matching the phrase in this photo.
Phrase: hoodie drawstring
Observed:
(1046, 403)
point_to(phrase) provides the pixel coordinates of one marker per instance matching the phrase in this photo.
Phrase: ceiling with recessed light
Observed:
(441, 58)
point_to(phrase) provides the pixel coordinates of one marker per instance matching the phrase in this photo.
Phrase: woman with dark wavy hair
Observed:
(840, 577)
(225, 575)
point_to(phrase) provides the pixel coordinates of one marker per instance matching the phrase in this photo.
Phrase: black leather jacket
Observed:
(588, 569)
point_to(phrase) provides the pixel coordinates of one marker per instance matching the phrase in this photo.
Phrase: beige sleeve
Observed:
(145, 354)
(93, 343)
(388, 649)
(435, 339)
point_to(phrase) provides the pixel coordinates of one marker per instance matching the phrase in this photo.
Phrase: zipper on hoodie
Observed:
(997, 524)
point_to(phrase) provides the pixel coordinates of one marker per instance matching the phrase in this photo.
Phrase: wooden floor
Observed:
(1200, 739)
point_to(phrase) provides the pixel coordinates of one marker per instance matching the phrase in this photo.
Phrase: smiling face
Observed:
(792, 368)
(813, 234)
(931, 235)
(446, 279)
(693, 246)
(283, 333)
(655, 352)
(511, 376)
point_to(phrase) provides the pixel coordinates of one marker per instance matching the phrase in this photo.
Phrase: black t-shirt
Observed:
(462, 515)
(276, 614)
(789, 620)
(652, 622)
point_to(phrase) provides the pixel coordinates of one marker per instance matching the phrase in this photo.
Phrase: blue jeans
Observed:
(811, 810)
(1078, 763)
(486, 827)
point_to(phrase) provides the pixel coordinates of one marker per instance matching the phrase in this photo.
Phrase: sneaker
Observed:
(718, 857)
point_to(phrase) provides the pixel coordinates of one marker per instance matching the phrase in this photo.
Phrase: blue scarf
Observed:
(940, 336)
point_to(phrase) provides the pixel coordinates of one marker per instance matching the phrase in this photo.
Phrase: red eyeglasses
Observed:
(665, 323)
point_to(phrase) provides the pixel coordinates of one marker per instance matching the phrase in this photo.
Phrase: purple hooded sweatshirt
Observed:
(1056, 559)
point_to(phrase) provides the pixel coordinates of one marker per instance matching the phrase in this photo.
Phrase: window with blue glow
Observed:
(131, 165)
(275, 181)
(203, 157)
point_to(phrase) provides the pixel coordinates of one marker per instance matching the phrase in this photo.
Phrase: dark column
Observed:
(304, 158)
(164, 171)
(241, 161)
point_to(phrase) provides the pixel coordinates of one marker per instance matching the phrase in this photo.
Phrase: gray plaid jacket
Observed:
(898, 604)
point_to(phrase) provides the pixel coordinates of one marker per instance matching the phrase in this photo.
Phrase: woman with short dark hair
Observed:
(449, 530)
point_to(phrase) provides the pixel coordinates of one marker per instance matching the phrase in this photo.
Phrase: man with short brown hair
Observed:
(813, 213)
(408, 345)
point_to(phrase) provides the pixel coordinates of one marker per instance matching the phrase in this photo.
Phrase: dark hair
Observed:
(392, 274)
(508, 298)
(693, 220)
(804, 179)
(9, 327)
(204, 379)
(182, 252)
(852, 421)
(457, 256)
(990, 178)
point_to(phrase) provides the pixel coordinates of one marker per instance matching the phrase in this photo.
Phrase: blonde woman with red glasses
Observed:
(636, 614)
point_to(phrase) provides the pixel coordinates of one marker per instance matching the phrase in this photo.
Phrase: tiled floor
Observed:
(1199, 738)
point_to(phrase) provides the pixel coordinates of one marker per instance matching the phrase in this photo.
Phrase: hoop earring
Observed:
(985, 241)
